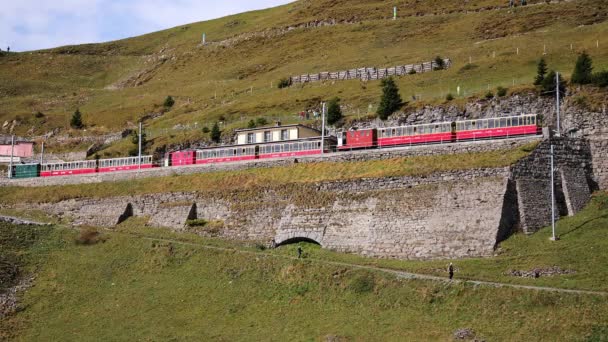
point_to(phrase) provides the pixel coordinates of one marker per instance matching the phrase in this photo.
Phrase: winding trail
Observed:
(399, 274)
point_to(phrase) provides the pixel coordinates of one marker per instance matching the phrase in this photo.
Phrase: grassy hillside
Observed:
(133, 288)
(117, 83)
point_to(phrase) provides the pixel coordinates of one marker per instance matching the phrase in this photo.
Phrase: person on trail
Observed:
(451, 271)
(299, 252)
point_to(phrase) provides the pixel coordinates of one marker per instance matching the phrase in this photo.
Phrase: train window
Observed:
(394, 132)
(503, 122)
(267, 136)
(415, 130)
(532, 120)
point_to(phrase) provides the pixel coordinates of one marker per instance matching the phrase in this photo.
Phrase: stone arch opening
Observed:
(297, 240)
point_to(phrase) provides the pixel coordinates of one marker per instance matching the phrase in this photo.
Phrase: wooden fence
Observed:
(367, 74)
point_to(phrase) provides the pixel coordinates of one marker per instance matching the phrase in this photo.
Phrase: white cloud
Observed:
(34, 24)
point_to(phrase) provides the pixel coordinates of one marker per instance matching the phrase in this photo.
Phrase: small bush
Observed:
(206, 129)
(76, 121)
(501, 91)
(363, 283)
(261, 121)
(89, 236)
(284, 83)
(251, 124)
(169, 102)
(39, 115)
(440, 64)
(449, 97)
(600, 79)
(412, 72)
(580, 101)
(196, 223)
(489, 95)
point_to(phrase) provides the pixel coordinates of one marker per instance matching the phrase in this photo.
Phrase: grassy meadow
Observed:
(132, 285)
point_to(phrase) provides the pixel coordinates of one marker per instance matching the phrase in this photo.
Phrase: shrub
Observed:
(169, 102)
(39, 115)
(89, 236)
(251, 124)
(412, 72)
(261, 121)
(489, 95)
(600, 79)
(391, 100)
(76, 121)
(206, 129)
(449, 97)
(334, 113)
(501, 91)
(196, 223)
(583, 70)
(362, 283)
(284, 83)
(440, 63)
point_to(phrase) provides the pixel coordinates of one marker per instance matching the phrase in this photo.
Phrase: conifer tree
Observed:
(391, 100)
(583, 70)
(541, 72)
(334, 113)
(216, 134)
(548, 85)
(76, 121)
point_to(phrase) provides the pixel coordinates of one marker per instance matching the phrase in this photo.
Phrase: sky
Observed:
(39, 24)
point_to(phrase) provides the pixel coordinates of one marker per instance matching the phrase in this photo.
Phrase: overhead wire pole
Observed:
(553, 237)
(42, 154)
(323, 130)
(139, 147)
(10, 165)
(557, 99)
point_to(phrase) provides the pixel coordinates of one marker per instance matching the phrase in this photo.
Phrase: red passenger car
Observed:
(225, 154)
(352, 140)
(497, 127)
(68, 168)
(124, 164)
(182, 158)
(415, 134)
(303, 147)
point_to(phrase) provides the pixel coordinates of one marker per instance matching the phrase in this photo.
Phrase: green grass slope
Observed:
(134, 288)
(117, 83)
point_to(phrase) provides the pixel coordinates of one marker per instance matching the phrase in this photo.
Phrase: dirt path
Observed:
(400, 274)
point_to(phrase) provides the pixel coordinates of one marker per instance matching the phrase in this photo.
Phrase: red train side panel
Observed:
(415, 139)
(289, 154)
(497, 132)
(125, 168)
(66, 172)
(183, 158)
(224, 159)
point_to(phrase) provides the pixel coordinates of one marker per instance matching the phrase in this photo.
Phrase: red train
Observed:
(443, 132)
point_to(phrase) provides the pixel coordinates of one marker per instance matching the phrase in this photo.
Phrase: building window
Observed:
(250, 138)
(284, 134)
(267, 136)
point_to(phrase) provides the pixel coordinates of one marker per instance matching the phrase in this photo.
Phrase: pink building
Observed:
(23, 147)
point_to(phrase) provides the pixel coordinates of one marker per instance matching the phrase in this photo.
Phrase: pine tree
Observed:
(548, 85)
(541, 72)
(334, 113)
(251, 124)
(134, 151)
(583, 71)
(216, 134)
(76, 121)
(391, 100)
